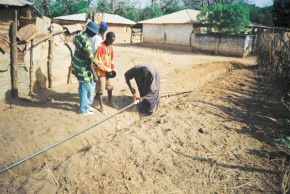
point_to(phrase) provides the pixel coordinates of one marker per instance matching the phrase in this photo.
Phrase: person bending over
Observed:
(148, 82)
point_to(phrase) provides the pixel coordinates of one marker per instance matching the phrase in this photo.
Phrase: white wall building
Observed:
(175, 28)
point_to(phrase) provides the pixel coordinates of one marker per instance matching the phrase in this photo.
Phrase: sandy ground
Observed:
(219, 138)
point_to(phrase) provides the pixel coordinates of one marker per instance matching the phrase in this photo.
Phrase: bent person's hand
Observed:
(133, 91)
(141, 99)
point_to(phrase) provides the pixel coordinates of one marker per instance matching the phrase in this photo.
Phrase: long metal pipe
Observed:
(175, 93)
(78, 133)
(60, 142)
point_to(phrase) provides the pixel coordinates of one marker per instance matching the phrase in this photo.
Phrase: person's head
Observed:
(103, 27)
(110, 38)
(92, 29)
(143, 72)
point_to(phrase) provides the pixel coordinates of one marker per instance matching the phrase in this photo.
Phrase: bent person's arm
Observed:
(128, 76)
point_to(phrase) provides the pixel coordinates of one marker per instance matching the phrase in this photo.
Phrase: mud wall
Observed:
(240, 46)
(33, 75)
(177, 34)
(119, 29)
(37, 68)
(60, 62)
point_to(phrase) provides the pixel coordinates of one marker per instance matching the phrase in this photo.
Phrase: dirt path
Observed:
(219, 138)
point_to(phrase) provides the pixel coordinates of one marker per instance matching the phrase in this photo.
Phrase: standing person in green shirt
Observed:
(82, 67)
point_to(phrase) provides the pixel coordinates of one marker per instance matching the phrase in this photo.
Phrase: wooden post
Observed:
(70, 67)
(31, 67)
(50, 58)
(14, 57)
(131, 38)
(93, 16)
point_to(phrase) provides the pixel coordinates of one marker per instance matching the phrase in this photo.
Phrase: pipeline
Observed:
(60, 142)
(84, 130)
(175, 93)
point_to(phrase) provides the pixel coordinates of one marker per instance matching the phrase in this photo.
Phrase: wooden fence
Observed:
(273, 54)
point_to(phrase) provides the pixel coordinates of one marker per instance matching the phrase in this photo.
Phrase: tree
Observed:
(226, 18)
(159, 8)
(42, 7)
(116, 6)
(68, 7)
(170, 6)
(151, 12)
(105, 6)
(197, 4)
(261, 15)
(53, 8)
(132, 14)
(281, 13)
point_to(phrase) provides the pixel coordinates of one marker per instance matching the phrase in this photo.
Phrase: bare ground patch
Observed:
(219, 138)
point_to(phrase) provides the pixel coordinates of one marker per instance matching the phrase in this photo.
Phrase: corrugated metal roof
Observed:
(73, 28)
(109, 18)
(4, 43)
(187, 16)
(27, 33)
(19, 3)
(74, 17)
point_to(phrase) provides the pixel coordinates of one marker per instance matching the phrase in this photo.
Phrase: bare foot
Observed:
(112, 105)
(103, 111)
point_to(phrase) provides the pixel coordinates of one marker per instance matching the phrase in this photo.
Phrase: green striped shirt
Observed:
(82, 58)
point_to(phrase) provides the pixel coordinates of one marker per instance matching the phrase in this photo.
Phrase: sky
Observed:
(262, 3)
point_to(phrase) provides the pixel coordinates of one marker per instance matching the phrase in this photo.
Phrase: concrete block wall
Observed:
(231, 45)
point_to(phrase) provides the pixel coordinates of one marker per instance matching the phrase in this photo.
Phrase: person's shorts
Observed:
(103, 84)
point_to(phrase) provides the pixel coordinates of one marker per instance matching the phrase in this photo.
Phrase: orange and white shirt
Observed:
(104, 58)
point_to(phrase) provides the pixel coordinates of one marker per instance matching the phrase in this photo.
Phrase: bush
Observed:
(227, 19)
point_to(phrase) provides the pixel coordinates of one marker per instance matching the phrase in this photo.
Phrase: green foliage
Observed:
(42, 7)
(261, 15)
(64, 7)
(150, 12)
(129, 9)
(198, 4)
(53, 8)
(281, 13)
(285, 140)
(105, 6)
(226, 18)
(170, 6)
(132, 14)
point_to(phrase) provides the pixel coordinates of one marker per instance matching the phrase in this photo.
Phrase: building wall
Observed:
(224, 45)
(7, 14)
(119, 29)
(6, 17)
(5, 85)
(177, 34)
(61, 61)
(60, 68)
(5, 77)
